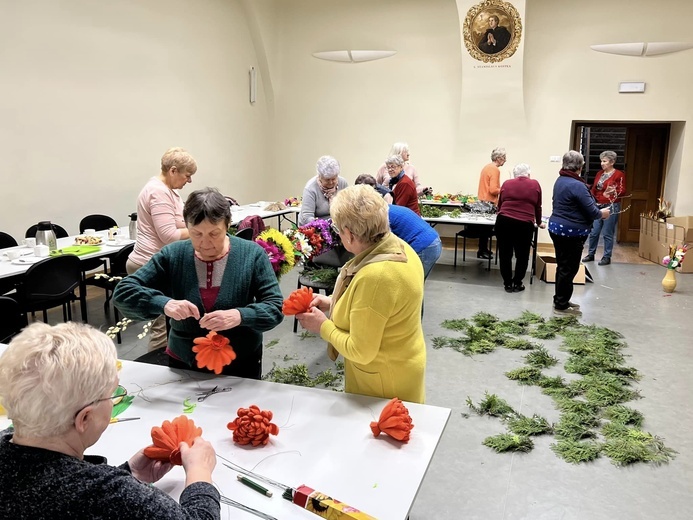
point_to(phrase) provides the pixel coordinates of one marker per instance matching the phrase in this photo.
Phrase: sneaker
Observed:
(569, 311)
(605, 261)
(573, 305)
(518, 287)
(508, 288)
(486, 255)
(588, 258)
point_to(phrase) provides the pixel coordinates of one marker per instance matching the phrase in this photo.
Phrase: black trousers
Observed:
(568, 253)
(484, 233)
(514, 237)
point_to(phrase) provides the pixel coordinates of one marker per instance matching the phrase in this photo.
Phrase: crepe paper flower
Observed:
(168, 437)
(675, 257)
(252, 426)
(279, 250)
(298, 301)
(292, 201)
(394, 420)
(213, 352)
(188, 406)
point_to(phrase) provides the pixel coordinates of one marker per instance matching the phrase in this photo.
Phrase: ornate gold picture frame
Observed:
(492, 31)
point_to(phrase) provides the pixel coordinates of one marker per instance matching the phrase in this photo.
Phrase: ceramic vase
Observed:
(669, 281)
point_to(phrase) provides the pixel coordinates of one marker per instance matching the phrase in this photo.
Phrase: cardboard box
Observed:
(656, 237)
(546, 271)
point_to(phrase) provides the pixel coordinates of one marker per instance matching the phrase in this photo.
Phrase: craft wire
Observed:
(251, 474)
(245, 508)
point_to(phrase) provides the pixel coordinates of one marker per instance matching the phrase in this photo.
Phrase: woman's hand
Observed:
(312, 320)
(321, 302)
(221, 320)
(181, 310)
(145, 469)
(542, 225)
(605, 213)
(199, 461)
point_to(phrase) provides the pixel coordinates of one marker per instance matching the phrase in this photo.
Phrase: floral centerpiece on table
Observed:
(292, 202)
(675, 257)
(279, 250)
(312, 239)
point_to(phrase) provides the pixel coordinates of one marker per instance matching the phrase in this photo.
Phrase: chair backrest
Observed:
(119, 260)
(58, 230)
(254, 222)
(52, 278)
(97, 222)
(7, 241)
(336, 257)
(245, 233)
(13, 320)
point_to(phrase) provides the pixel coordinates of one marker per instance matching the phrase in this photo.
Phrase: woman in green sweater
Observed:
(212, 282)
(375, 310)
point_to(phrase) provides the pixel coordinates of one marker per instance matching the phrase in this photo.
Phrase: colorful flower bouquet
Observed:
(292, 202)
(675, 257)
(312, 239)
(279, 249)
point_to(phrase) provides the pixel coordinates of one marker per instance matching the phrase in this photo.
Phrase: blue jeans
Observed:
(608, 228)
(430, 255)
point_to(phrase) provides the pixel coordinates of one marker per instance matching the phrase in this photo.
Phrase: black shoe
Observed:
(518, 287)
(486, 255)
(605, 261)
(508, 288)
(588, 258)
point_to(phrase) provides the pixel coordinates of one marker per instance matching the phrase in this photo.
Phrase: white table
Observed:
(238, 213)
(324, 441)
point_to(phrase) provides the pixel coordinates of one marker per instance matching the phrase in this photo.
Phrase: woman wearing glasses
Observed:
(58, 385)
(320, 190)
(403, 188)
(375, 310)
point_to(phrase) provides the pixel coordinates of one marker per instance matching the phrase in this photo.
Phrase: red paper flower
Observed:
(214, 352)
(252, 426)
(394, 420)
(168, 437)
(298, 301)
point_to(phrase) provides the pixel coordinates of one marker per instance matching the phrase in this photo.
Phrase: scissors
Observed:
(216, 390)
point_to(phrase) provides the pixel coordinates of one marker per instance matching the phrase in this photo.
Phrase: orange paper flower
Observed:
(213, 352)
(168, 437)
(252, 426)
(394, 420)
(298, 301)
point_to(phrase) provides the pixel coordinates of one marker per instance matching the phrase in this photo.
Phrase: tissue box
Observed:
(325, 506)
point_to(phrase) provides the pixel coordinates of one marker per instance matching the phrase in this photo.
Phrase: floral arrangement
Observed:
(444, 198)
(312, 239)
(279, 249)
(675, 257)
(292, 202)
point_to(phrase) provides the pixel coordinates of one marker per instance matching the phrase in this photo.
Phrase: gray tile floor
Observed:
(468, 480)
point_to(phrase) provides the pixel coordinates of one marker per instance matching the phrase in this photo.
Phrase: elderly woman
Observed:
(160, 220)
(320, 190)
(574, 210)
(59, 386)
(375, 311)
(411, 228)
(519, 211)
(403, 189)
(213, 282)
(608, 188)
(401, 149)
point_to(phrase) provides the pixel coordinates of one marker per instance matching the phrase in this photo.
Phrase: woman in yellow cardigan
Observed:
(375, 311)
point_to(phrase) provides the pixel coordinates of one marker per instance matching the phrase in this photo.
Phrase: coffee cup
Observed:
(90, 232)
(14, 254)
(41, 251)
(29, 242)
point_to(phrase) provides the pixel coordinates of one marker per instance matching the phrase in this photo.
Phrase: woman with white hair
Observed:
(519, 210)
(318, 193)
(401, 149)
(59, 385)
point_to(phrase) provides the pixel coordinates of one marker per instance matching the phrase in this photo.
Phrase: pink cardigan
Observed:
(159, 220)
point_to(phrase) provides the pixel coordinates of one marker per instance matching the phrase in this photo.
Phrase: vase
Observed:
(669, 281)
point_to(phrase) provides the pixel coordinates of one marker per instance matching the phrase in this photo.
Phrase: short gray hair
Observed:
(361, 209)
(327, 167)
(573, 161)
(179, 158)
(521, 170)
(497, 153)
(609, 156)
(49, 373)
(395, 159)
(206, 204)
(398, 148)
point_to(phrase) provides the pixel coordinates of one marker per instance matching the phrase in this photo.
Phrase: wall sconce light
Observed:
(353, 56)
(253, 85)
(642, 48)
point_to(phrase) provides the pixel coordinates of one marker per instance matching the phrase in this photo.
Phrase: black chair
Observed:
(472, 231)
(97, 222)
(245, 233)
(51, 283)
(335, 259)
(7, 241)
(13, 319)
(58, 230)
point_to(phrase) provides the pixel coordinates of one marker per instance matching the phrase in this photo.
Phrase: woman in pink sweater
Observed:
(160, 220)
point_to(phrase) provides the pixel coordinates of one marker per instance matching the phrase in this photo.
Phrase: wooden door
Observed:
(645, 161)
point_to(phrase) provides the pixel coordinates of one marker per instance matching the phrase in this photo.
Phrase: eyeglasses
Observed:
(334, 228)
(118, 395)
(392, 166)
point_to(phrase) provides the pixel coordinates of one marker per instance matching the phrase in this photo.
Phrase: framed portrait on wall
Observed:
(492, 31)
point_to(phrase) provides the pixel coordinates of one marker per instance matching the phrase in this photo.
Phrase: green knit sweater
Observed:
(248, 284)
